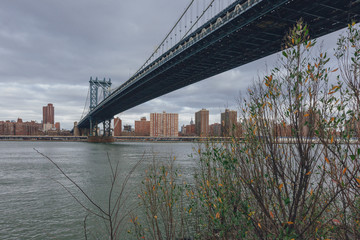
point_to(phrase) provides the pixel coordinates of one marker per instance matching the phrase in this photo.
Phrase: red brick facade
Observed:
(142, 127)
(228, 123)
(164, 124)
(117, 126)
(202, 123)
(48, 114)
(20, 128)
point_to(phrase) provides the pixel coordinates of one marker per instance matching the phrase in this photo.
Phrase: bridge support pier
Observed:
(94, 132)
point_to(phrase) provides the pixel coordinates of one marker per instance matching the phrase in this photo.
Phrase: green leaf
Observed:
(287, 201)
(284, 53)
(353, 156)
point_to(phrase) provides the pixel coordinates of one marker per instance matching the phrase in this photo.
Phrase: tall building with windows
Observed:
(117, 126)
(164, 124)
(48, 117)
(228, 123)
(202, 123)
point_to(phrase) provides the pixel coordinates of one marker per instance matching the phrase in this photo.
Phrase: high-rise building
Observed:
(48, 114)
(117, 126)
(142, 127)
(48, 117)
(164, 124)
(228, 123)
(202, 123)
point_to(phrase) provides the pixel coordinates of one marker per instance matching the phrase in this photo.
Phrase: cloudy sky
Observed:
(50, 48)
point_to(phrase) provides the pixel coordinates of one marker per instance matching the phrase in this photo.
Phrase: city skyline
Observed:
(50, 51)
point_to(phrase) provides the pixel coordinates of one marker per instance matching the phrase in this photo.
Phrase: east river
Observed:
(34, 205)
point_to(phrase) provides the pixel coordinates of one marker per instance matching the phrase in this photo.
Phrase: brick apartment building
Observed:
(202, 123)
(228, 123)
(20, 128)
(142, 127)
(164, 124)
(117, 126)
(48, 117)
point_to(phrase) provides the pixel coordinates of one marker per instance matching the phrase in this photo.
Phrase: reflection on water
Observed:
(34, 206)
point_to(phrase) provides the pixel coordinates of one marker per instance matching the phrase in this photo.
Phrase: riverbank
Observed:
(283, 140)
(117, 139)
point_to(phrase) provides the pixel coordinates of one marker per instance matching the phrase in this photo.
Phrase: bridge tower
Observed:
(99, 90)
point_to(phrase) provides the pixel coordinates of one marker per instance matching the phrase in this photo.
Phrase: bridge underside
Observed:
(256, 33)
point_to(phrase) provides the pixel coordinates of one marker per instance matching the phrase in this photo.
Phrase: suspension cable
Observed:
(198, 19)
(87, 98)
(192, 1)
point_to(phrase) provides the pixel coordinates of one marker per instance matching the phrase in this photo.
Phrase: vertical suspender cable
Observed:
(172, 29)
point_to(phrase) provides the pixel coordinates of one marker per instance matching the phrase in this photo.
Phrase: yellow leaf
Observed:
(306, 115)
(308, 45)
(327, 160)
(293, 41)
(155, 217)
(207, 183)
(217, 215)
(220, 185)
(335, 87)
(290, 223)
(259, 223)
(220, 200)
(281, 186)
(353, 23)
(271, 214)
(343, 172)
(190, 210)
(311, 192)
(332, 139)
(332, 119)
(308, 173)
(358, 180)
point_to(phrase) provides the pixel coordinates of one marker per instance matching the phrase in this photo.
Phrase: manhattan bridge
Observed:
(211, 37)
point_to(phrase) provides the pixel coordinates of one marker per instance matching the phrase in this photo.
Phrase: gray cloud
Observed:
(50, 48)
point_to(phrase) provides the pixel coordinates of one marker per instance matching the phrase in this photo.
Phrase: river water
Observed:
(33, 205)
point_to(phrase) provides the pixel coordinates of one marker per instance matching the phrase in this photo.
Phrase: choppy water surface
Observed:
(33, 205)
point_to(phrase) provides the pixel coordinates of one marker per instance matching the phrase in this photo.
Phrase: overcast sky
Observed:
(50, 48)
